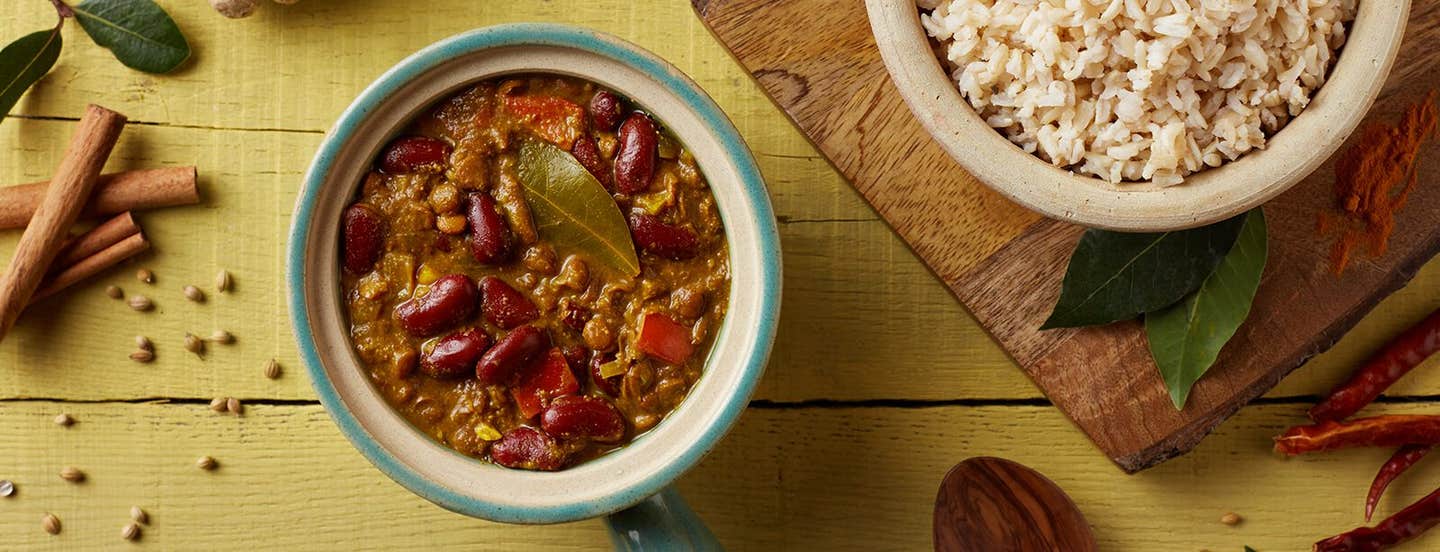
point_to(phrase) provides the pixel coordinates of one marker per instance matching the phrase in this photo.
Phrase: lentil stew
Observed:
(534, 271)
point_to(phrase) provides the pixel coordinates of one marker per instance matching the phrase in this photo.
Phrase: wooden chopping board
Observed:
(817, 59)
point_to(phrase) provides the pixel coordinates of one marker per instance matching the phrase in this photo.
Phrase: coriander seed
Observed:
(64, 420)
(222, 281)
(114, 292)
(145, 275)
(142, 356)
(206, 463)
(272, 369)
(6, 488)
(143, 343)
(222, 337)
(194, 294)
(217, 404)
(72, 474)
(130, 531)
(140, 303)
(139, 515)
(233, 405)
(194, 344)
(51, 524)
(1230, 518)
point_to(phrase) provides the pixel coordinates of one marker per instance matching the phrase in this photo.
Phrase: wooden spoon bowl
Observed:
(988, 504)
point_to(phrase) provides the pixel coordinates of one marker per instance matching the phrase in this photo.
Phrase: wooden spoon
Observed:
(990, 504)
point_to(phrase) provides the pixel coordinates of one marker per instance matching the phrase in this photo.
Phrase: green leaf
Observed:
(138, 32)
(572, 209)
(1248, 549)
(1117, 276)
(23, 62)
(1186, 338)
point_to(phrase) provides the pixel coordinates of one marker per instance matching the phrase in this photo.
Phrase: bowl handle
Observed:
(661, 522)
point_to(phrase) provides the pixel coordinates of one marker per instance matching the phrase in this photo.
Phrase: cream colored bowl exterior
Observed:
(1205, 197)
(613, 481)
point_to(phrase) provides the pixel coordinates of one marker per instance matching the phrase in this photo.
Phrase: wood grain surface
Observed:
(1005, 264)
(987, 503)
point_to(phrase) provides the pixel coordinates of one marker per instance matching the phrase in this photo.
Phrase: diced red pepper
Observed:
(664, 338)
(549, 378)
(556, 120)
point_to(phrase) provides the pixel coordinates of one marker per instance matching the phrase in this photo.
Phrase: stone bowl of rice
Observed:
(1139, 115)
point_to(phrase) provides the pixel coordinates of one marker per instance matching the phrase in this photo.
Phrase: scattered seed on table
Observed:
(222, 281)
(222, 337)
(143, 343)
(272, 369)
(194, 344)
(64, 420)
(1230, 518)
(130, 531)
(72, 474)
(217, 404)
(194, 294)
(114, 292)
(145, 275)
(233, 405)
(6, 488)
(139, 515)
(51, 524)
(142, 356)
(206, 463)
(140, 303)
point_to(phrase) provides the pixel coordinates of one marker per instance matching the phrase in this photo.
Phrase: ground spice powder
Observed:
(1373, 178)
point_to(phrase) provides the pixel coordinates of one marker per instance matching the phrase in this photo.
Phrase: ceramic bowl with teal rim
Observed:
(617, 484)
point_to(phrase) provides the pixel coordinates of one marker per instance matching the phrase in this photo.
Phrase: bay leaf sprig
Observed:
(573, 210)
(1116, 276)
(138, 32)
(1194, 288)
(1186, 338)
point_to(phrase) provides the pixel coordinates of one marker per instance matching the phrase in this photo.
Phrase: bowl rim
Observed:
(1213, 194)
(752, 193)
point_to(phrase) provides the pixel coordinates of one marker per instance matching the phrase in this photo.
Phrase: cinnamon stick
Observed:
(65, 197)
(114, 193)
(108, 233)
(94, 264)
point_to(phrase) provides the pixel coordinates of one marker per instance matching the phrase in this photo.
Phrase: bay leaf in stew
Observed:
(572, 210)
(1186, 338)
(1116, 276)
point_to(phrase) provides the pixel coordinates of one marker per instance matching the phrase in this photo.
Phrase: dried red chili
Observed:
(1396, 359)
(1407, 456)
(1404, 525)
(1377, 431)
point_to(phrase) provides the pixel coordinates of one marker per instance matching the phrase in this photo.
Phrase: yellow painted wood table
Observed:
(879, 383)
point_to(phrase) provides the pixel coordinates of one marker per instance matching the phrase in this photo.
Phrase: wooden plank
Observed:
(1006, 267)
(787, 479)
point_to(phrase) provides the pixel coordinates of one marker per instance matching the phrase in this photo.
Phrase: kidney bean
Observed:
(575, 417)
(576, 316)
(364, 237)
(588, 154)
(451, 300)
(605, 110)
(505, 306)
(413, 154)
(503, 363)
(635, 158)
(490, 240)
(666, 240)
(574, 356)
(609, 386)
(455, 354)
(527, 448)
